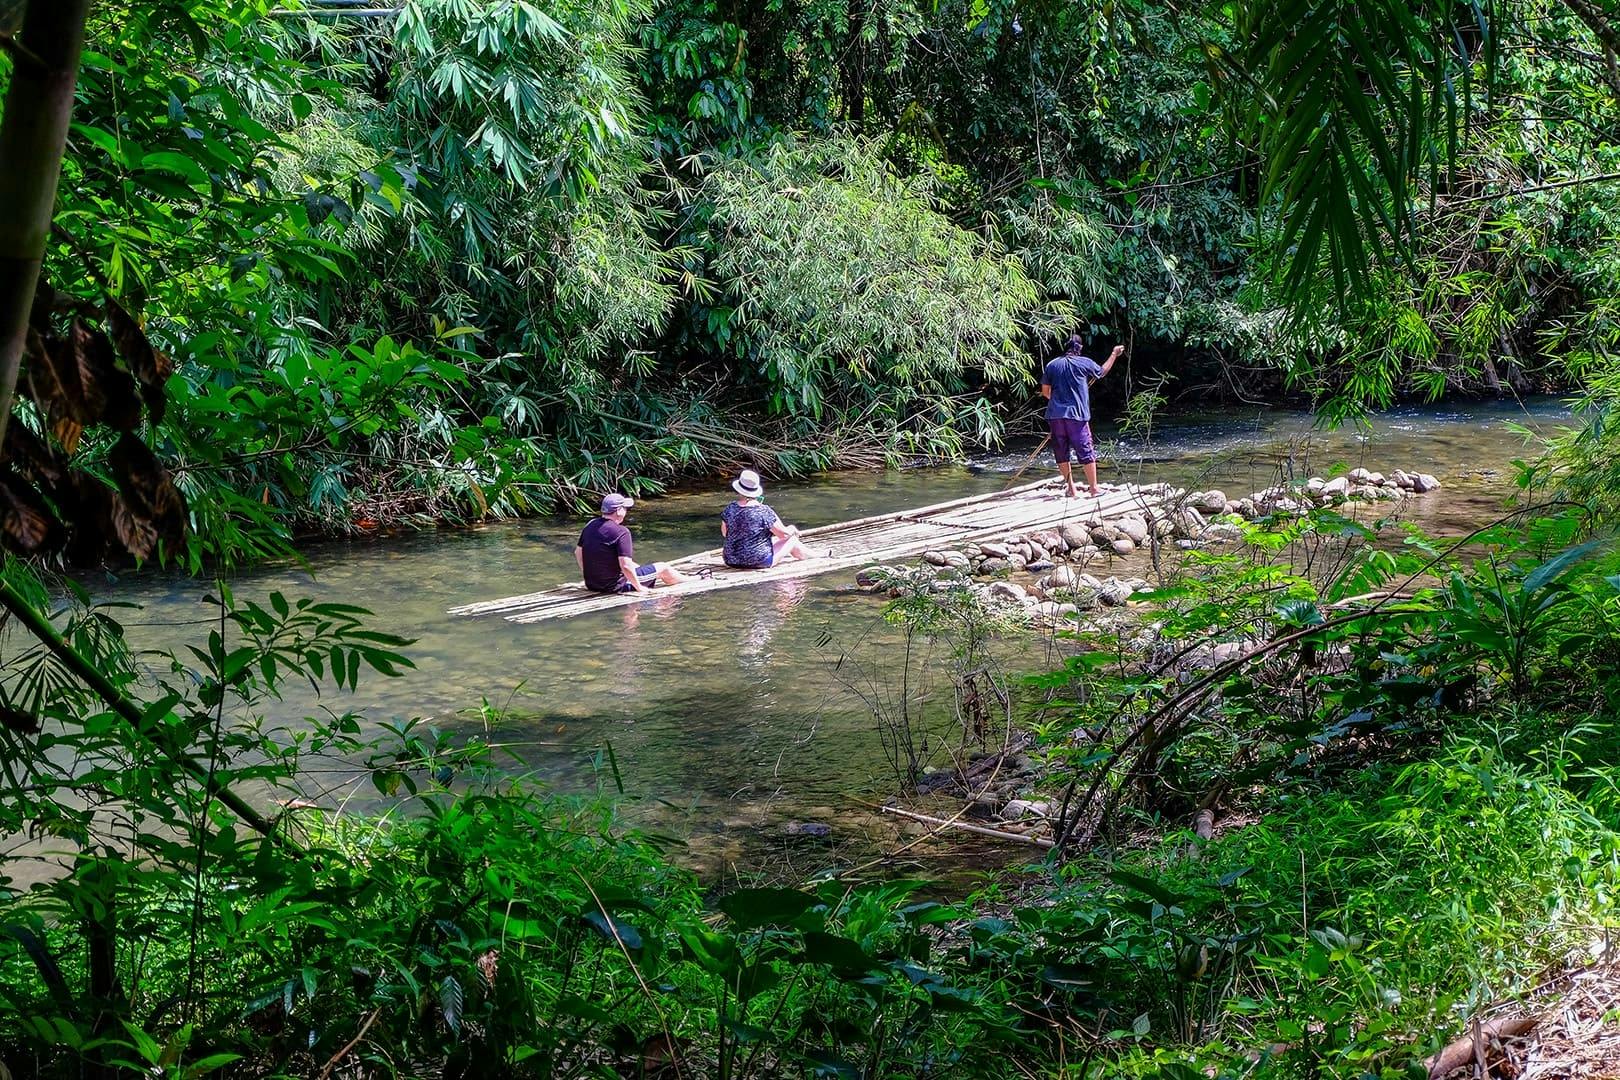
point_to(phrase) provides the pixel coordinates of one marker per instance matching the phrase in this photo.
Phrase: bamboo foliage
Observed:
(838, 272)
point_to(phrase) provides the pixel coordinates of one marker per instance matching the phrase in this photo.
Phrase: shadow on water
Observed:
(730, 714)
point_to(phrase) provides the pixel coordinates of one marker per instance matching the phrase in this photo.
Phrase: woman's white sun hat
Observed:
(748, 485)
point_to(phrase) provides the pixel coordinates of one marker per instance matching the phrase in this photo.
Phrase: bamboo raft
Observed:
(861, 542)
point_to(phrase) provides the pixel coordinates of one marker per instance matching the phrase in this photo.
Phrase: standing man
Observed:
(607, 556)
(1066, 385)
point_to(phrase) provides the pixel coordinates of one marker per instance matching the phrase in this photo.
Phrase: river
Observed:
(732, 714)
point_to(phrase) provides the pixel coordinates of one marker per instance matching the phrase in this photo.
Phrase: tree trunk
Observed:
(854, 65)
(33, 133)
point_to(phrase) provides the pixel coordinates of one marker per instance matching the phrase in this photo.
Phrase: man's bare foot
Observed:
(1096, 493)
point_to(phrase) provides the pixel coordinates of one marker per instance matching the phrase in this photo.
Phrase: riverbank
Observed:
(1338, 797)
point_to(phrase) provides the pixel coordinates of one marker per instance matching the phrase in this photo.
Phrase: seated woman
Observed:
(755, 536)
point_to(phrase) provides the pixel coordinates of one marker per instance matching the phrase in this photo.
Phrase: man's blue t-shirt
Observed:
(1071, 396)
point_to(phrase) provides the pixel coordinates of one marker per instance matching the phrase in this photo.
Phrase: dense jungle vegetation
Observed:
(486, 257)
(325, 270)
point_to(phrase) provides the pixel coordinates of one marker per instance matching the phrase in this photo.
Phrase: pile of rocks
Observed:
(1056, 598)
(1175, 516)
(1358, 485)
(1062, 594)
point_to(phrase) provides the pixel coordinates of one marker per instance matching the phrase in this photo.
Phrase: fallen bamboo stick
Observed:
(1038, 841)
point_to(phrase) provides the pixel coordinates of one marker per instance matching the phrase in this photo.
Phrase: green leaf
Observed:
(752, 908)
(1148, 887)
(613, 929)
(450, 1003)
(206, 1065)
(839, 953)
(179, 164)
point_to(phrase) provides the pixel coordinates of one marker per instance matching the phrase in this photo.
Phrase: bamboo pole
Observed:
(981, 830)
(115, 700)
(33, 136)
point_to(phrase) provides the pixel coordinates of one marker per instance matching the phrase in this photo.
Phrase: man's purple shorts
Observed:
(1072, 435)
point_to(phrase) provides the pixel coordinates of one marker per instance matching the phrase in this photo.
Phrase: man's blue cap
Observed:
(612, 504)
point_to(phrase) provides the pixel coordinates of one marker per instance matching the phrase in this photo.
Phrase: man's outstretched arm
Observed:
(1109, 363)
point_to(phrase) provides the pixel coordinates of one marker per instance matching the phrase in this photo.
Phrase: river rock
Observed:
(934, 558)
(869, 576)
(1007, 590)
(1087, 581)
(1123, 546)
(1422, 483)
(809, 829)
(956, 559)
(1039, 566)
(1314, 485)
(1134, 528)
(1103, 535)
(1074, 536)
(1190, 523)
(994, 566)
(1025, 808)
(1210, 502)
(1360, 476)
(1337, 488)
(1062, 577)
(1402, 478)
(994, 550)
(1114, 592)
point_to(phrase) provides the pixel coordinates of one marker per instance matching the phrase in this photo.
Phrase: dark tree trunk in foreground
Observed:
(33, 133)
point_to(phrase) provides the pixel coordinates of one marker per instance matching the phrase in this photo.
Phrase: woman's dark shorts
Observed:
(1072, 435)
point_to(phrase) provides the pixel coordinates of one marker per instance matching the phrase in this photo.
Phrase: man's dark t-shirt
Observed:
(601, 546)
(1071, 395)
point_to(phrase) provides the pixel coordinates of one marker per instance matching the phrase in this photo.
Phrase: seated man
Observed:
(607, 555)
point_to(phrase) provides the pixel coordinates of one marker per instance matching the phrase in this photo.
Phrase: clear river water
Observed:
(732, 714)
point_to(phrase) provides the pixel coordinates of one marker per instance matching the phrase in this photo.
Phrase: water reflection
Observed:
(779, 601)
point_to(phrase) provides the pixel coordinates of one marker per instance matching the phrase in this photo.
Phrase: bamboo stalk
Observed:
(127, 711)
(979, 829)
(33, 135)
